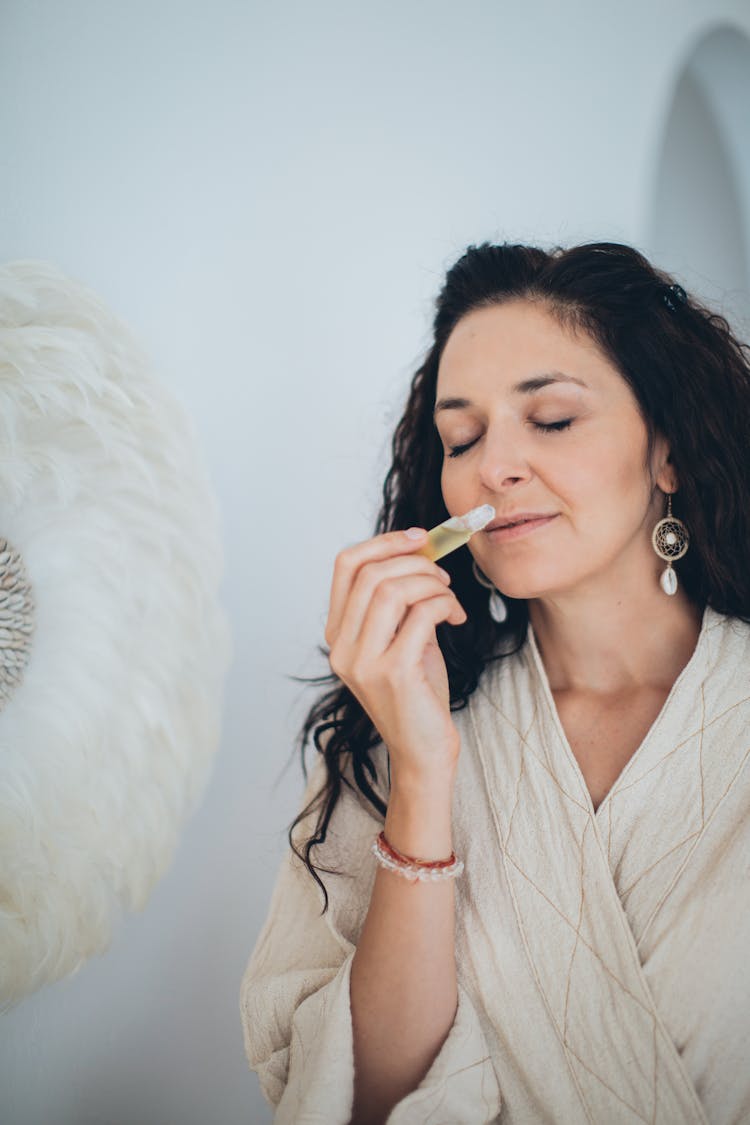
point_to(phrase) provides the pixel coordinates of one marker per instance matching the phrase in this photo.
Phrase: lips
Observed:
(518, 518)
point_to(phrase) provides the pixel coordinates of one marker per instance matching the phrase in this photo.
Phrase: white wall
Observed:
(269, 193)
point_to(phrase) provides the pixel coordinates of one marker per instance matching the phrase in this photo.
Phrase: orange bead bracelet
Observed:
(415, 869)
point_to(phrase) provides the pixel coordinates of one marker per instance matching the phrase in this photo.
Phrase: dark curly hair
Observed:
(691, 379)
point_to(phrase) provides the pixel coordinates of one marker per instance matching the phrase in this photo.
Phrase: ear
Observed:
(665, 475)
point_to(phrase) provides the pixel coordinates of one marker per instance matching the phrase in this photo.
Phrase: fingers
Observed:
(387, 609)
(350, 561)
(387, 586)
(394, 637)
(418, 629)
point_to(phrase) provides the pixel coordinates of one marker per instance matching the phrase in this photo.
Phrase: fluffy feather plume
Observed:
(106, 741)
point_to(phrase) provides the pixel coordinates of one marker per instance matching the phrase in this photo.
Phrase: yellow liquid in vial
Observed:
(441, 541)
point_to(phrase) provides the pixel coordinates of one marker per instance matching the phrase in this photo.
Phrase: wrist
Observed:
(417, 780)
(418, 822)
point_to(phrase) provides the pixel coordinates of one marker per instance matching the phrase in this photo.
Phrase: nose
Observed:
(502, 463)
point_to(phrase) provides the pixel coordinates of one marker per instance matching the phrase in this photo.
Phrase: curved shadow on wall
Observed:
(700, 216)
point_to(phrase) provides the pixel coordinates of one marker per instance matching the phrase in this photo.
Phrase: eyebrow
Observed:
(527, 387)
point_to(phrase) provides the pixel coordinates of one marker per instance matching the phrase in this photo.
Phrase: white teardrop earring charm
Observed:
(668, 581)
(671, 540)
(497, 607)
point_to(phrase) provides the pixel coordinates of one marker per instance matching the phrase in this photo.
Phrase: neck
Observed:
(600, 642)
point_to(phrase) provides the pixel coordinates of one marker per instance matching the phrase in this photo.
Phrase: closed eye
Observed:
(550, 427)
(457, 450)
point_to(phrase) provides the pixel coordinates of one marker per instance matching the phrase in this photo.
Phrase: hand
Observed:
(386, 601)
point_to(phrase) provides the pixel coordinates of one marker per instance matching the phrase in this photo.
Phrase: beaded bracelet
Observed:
(415, 869)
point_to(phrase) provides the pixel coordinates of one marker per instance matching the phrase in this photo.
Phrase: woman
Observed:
(577, 738)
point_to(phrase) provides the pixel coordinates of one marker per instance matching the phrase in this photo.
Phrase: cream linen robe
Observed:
(603, 957)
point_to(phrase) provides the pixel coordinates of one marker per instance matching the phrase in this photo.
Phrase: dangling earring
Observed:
(498, 608)
(671, 539)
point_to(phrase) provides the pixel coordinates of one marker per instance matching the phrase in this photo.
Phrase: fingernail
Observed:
(444, 574)
(414, 533)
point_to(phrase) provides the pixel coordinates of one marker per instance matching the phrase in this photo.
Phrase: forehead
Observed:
(506, 343)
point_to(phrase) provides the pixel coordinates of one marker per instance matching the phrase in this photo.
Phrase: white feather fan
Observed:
(114, 646)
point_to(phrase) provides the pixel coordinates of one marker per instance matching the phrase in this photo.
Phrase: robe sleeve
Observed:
(296, 1013)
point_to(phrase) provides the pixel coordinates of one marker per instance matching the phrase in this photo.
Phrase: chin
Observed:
(526, 586)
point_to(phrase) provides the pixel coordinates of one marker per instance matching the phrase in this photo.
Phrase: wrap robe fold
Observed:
(603, 956)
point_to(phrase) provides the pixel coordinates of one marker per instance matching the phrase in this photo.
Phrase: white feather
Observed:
(106, 744)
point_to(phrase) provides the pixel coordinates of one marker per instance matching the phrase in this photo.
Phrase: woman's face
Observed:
(534, 419)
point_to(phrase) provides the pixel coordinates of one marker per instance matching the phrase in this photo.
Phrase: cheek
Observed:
(608, 490)
(455, 488)
(626, 476)
(608, 470)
